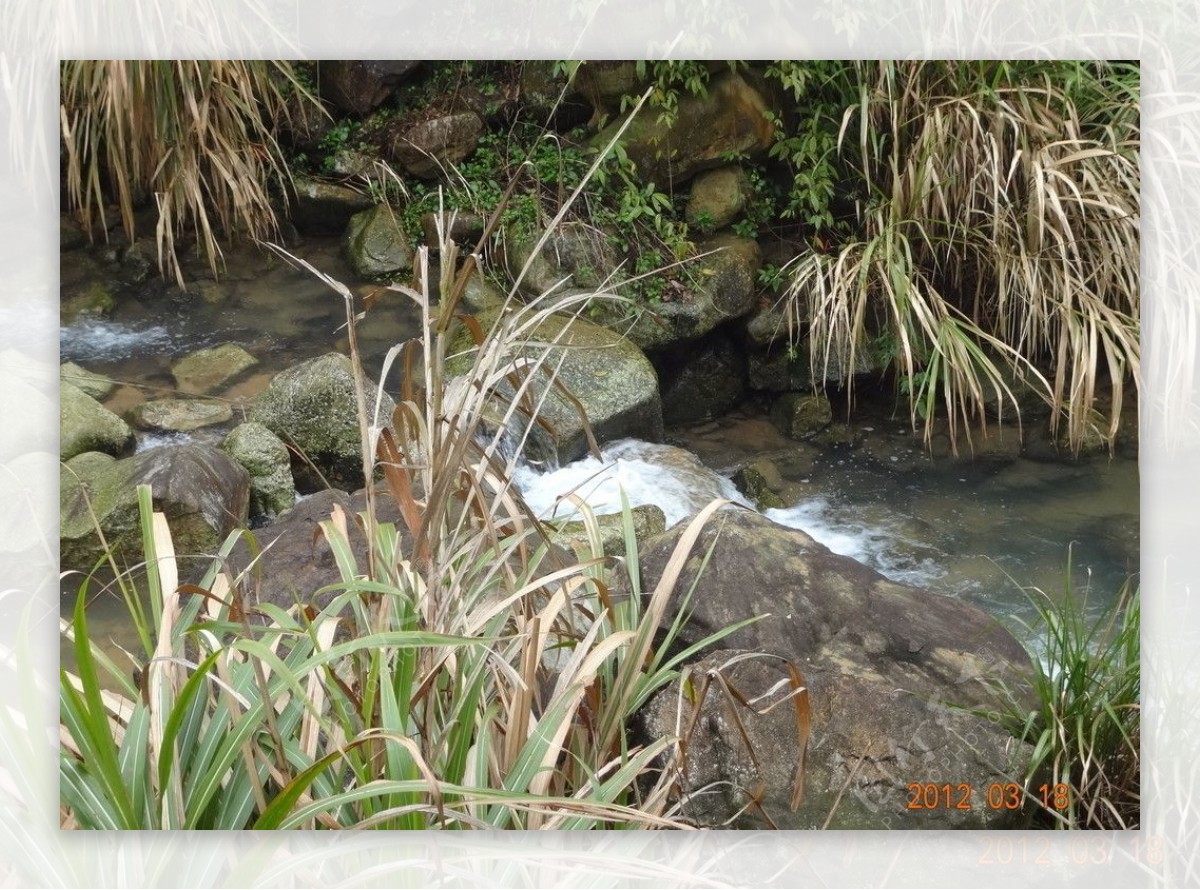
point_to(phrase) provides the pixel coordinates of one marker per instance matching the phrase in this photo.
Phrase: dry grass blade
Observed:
(197, 136)
(999, 236)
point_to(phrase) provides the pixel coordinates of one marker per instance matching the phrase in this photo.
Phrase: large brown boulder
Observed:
(429, 147)
(889, 671)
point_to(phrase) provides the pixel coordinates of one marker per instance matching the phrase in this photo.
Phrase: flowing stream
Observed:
(984, 528)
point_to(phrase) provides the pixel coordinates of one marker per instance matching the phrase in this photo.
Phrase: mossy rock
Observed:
(92, 300)
(202, 492)
(751, 482)
(729, 119)
(376, 245)
(724, 288)
(206, 370)
(800, 416)
(718, 198)
(313, 406)
(95, 385)
(264, 456)
(86, 425)
(611, 378)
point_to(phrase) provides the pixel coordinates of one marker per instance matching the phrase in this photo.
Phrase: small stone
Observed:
(800, 416)
(179, 415)
(206, 370)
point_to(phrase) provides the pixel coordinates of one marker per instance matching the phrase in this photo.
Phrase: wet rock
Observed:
(428, 148)
(725, 282)
(800, 416)
(888, 669)
(360, 86)
(753, 483)
(326, 208)
(718, 197)
(86, 425)
(179, 415)
(202, 492)
(376, 245)
(312, 406)
(95, 385)
(706, 380)
(91, 300)
(706, 129)
(264, 456)
(205, 370)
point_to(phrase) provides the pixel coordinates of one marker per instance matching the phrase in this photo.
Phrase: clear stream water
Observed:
(981, 528)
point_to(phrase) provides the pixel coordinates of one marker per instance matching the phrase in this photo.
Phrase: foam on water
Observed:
(670, 478)
(675, 481)
(91, 339)
(879, 547)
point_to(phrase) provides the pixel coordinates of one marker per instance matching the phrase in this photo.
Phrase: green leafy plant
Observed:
(197, 137)
(1084, 724)
(465, 674)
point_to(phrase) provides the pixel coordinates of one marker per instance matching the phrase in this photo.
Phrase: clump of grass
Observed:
(1085, 722)
(467, 675)
(195, 136)
(995, 238)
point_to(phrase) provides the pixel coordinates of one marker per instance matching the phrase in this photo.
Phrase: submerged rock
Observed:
(86, 425)
(202, 492)
(206, 370)
(889, 670)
